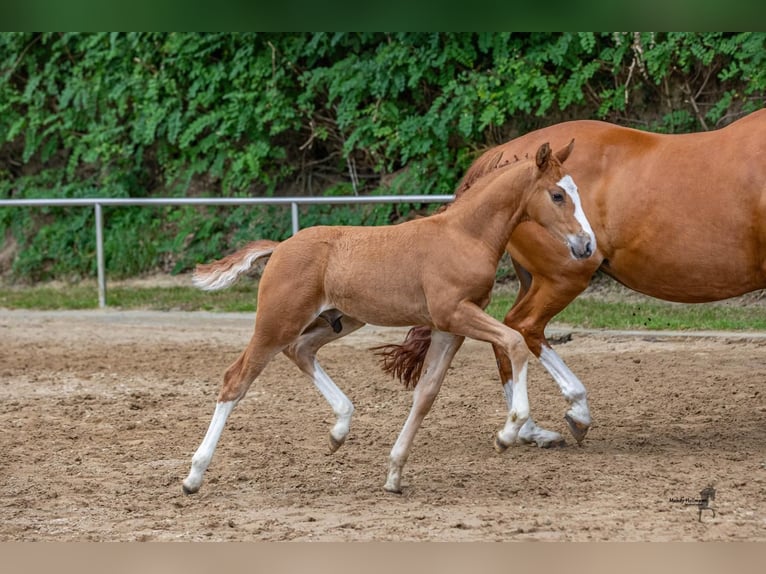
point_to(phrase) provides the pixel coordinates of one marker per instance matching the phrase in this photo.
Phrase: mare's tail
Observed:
(224, 272)
(405, 361)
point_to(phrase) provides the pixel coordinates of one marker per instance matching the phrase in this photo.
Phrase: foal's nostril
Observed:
(581, 247)
(582, 250)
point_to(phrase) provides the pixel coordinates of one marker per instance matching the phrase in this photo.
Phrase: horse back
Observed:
(680, 217)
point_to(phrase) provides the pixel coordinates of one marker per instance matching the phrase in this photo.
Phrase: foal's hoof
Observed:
(392, 489)
(578, 429)
(500, 446)
(188, 490)
(335, 444)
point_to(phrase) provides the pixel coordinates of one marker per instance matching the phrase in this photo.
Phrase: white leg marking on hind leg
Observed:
(340, 403)
(571, 387)
(203, 456)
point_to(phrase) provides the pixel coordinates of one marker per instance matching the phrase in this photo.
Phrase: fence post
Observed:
(294, 212)
(100, 257)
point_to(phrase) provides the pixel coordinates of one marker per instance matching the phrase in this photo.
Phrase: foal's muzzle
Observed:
(581, 245)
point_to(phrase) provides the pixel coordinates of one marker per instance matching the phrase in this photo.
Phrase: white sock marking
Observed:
(571, 387)
(518, 412)
(203, 456)
(340, 403)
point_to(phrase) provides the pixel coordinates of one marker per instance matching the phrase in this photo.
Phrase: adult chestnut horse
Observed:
(325, 282)
(677, 217)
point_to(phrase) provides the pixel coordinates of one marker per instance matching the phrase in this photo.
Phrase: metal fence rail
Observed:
(98, 203)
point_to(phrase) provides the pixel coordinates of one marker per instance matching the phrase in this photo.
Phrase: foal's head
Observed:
(554, 203)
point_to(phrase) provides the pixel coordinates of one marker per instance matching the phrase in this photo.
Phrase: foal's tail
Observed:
(224, 272)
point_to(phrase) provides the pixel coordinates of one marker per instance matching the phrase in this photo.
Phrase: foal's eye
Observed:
(557, 197)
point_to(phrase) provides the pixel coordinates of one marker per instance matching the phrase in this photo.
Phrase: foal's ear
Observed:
(564, 152)
(543, 155)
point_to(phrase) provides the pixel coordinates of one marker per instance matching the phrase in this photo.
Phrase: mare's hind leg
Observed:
(327, 327)
(440, 354)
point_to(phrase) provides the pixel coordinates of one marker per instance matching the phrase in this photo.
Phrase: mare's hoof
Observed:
(392, 489)
(500, 446)
(578, 429)
(558, 443)
(335, 444)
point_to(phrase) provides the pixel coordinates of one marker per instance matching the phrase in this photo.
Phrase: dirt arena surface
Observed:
(101, 411)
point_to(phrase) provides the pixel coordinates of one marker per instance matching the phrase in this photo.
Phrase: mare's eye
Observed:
(557, 197)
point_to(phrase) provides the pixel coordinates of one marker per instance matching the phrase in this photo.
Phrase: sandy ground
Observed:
(101, 411)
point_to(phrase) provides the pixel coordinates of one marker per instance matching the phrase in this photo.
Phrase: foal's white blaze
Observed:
(570, 187)
(203, 456)
(571, 387)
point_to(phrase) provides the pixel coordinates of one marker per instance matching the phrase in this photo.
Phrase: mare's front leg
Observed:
(303, 352)
(440, 354)
(537, 303)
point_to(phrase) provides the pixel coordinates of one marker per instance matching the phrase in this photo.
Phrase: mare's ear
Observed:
(564, 152)
(543, 156)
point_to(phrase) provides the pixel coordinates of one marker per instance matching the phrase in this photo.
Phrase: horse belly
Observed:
(381, 301)
(677, 273)
(691, 234)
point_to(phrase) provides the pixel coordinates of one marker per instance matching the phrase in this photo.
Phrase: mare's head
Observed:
(554, 203)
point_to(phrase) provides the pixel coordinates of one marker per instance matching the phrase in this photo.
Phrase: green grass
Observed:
(590, 312)
(239, 298)
(650, 314)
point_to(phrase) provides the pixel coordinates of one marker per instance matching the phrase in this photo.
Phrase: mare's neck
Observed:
(491, 210)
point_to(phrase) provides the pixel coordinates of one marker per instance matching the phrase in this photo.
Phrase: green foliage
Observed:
(221, 114)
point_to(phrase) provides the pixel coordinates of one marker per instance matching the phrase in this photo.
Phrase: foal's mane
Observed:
(485, 164)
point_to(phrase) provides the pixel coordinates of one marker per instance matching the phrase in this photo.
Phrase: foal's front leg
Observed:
(440, 354)
(470, 320)
(530, 432)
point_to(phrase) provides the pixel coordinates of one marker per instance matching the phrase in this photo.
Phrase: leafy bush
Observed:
(220, 114)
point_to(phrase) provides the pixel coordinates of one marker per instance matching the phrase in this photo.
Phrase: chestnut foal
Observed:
(326, 282)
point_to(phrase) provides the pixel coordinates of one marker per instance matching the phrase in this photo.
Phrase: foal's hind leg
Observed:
(303, 353)
(237, 379)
